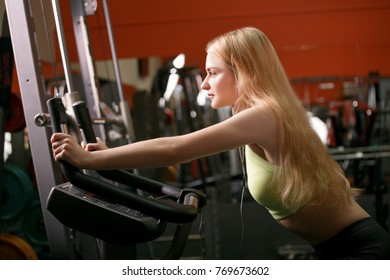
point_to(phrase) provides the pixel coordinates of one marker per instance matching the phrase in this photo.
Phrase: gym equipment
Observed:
(114, 215)
(17, 192)
(33, 226)
(350, 123)
(65, 240)
(13, 247)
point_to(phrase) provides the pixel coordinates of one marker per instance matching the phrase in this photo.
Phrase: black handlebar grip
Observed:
(84, 119)
(57, 113)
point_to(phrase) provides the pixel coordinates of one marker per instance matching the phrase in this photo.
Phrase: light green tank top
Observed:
(260, 173)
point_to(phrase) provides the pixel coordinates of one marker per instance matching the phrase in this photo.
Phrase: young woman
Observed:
(289, 170)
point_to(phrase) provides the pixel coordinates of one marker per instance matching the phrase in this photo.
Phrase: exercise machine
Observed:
(118, 218)
(77, 225)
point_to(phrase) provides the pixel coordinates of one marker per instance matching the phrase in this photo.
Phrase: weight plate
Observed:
(15, 120)
(33, 225)
(17, 191)
(13, 247)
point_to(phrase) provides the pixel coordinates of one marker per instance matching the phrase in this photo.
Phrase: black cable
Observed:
(202, 240)
(242, 224)
(244, 184)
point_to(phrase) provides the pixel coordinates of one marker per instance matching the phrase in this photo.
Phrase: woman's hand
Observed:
(65, 147)
(99, 145)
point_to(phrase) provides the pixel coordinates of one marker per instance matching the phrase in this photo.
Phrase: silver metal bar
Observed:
(90, 84)
(48, 174)
(62, 44)
(124, 107)
(362, 156)
(113, 50)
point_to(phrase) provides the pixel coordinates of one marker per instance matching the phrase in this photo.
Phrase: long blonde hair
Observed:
(305, 167)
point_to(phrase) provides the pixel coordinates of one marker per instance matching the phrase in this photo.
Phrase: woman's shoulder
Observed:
(255, 117)
(255, 111)
(259, 123)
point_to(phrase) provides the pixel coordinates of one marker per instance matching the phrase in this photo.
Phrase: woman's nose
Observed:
(205, 85)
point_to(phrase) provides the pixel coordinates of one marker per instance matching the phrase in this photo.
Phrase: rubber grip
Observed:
(57, 113)
(83, 117)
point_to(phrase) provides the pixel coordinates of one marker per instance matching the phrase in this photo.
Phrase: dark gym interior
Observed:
(115, 62)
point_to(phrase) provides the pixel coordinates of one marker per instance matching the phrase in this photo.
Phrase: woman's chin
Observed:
(214, 105)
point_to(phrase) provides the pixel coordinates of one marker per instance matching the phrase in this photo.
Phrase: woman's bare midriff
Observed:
(318, 223)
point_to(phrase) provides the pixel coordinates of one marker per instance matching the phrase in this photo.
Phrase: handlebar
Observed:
(188, 200)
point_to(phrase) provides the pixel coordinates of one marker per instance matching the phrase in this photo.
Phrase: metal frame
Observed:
(62, 242)
(90, 82)
(88, 73)
(31, 82)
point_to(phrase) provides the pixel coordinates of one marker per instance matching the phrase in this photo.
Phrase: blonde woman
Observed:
(288, 168)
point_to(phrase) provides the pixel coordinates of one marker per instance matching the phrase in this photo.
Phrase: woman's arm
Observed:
(247, 127)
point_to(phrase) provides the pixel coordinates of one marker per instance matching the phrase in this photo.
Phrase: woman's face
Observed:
(219, 83)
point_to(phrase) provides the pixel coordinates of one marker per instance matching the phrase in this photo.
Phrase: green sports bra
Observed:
(260, 173)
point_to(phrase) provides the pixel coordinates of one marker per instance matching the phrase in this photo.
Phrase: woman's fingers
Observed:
(65, 147)
(99, 145)
(62, 146)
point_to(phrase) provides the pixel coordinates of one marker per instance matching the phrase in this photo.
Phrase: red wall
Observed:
(313, 38)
